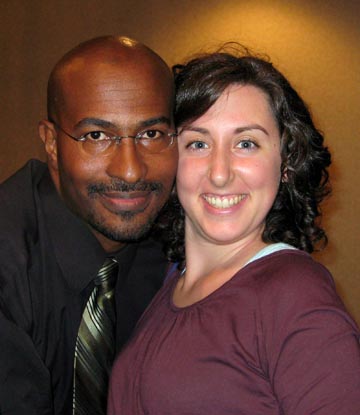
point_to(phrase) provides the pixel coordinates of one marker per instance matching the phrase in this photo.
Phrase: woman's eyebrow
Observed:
(237, 130)
(251, 127)
(195, 129)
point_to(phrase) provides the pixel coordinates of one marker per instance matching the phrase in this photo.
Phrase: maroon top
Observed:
(275, 339)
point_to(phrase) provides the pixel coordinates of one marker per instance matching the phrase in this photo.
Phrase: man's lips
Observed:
(119, 196)
(126, 201)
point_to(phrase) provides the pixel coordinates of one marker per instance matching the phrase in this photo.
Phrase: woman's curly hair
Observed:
(294, 216)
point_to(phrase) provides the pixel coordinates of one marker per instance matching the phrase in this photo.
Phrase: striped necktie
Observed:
(95, 345)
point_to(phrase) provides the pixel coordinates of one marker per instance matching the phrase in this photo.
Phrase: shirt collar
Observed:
(77, 251)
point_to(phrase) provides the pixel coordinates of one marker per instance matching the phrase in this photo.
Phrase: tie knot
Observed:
(107, 274)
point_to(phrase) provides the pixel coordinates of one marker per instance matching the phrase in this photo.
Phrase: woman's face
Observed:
(229, 167)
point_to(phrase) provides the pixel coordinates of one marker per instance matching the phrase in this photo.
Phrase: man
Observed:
(111, 162)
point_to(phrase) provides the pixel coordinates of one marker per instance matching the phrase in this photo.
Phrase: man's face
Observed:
(118, 194)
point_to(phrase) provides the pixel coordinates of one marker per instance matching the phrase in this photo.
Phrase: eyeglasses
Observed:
(99, 142)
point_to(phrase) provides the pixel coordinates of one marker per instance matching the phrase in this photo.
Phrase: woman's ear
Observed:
(48, 136)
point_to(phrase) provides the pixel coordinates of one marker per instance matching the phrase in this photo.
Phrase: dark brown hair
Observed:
(294, 217)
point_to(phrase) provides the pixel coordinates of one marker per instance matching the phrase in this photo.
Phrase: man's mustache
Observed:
(122, 186)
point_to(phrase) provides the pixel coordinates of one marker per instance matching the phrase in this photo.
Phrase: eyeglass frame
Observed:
(115, 138)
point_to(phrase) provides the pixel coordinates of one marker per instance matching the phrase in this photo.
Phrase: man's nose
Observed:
(126, 162)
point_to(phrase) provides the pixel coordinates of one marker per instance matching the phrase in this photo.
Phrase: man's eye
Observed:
(151, 134)
(96, 136)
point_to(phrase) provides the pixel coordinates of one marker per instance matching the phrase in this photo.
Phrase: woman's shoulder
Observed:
(290, 267)
(291, 277)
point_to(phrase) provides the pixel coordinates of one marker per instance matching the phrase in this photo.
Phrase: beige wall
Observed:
(314, 42)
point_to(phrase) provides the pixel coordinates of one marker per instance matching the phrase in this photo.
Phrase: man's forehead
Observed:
(120, 78)
(132, 80)
(118, 101)
(111, 89)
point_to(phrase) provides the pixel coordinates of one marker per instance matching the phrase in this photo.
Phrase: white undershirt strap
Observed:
(269, 250)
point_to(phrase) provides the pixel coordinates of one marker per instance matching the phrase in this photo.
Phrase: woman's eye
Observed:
(96, 136)
(197, 145)
(151, 134)
(246, 145)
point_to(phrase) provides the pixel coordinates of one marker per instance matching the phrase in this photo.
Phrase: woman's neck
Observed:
(209, 266)
(203, 257)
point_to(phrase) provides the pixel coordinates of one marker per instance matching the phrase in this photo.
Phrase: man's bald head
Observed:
(111, 87)
(128, 55)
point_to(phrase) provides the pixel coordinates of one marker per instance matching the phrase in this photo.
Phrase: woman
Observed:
(251, 324)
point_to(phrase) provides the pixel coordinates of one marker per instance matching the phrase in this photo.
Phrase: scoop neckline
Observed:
(198, 303)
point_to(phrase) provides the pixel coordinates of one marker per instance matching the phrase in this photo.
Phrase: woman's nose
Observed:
(220, 169)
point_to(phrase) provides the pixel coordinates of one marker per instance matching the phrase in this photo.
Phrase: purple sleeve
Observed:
(311, 344)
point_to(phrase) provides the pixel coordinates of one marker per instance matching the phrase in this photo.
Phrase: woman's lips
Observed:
(223, 202)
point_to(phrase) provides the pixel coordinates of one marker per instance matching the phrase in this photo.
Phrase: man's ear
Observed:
(48, 136)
